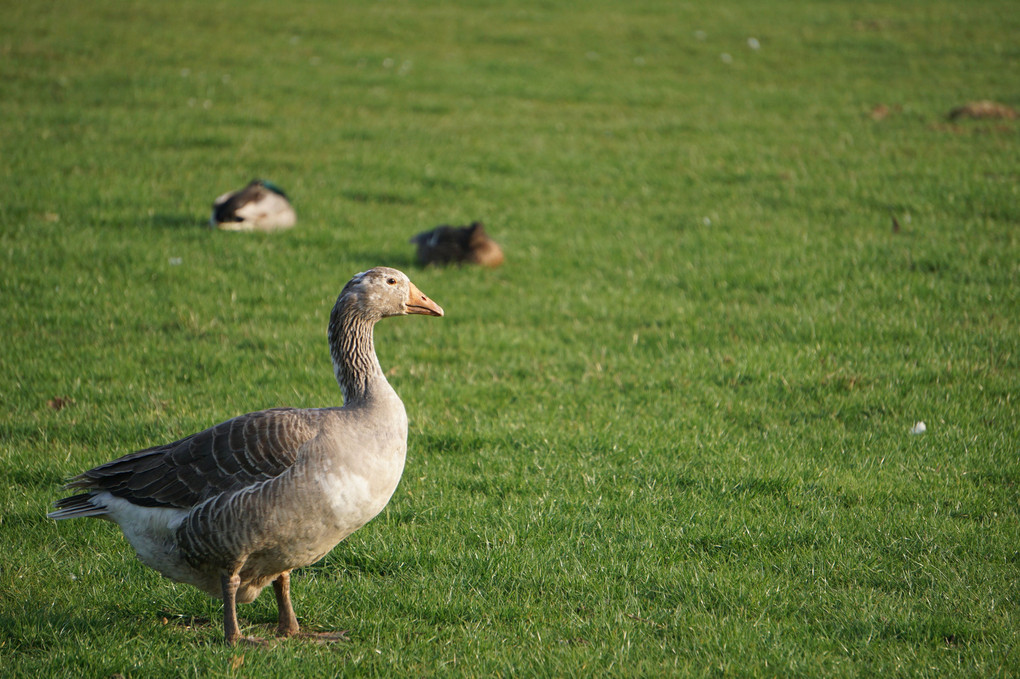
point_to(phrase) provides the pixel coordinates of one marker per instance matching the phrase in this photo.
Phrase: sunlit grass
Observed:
(670, 435)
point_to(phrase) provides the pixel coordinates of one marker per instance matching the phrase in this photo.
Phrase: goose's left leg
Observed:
(287, 622)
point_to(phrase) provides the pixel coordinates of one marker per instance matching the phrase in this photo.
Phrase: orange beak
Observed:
(418, 303)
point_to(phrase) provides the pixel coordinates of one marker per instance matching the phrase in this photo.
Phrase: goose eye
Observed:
(391, 281)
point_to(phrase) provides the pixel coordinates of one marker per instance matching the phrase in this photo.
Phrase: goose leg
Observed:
(288, 624)
(229, 586)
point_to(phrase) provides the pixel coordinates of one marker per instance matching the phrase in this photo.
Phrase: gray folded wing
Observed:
(230, 456)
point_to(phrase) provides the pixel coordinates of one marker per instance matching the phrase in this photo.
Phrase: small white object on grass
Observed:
(753, 43)
(918, 428)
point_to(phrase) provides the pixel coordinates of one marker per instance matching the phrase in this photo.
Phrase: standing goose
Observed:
(237, 506)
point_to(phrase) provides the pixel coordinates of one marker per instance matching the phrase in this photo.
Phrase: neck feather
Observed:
(353, 350)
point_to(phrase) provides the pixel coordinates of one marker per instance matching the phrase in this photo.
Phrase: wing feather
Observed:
(229, 456)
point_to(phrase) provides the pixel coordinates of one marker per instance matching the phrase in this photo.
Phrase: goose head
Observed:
(382, 292)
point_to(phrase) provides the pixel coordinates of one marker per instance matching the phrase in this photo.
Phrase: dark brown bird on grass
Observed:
(458, 245)
(983, 110)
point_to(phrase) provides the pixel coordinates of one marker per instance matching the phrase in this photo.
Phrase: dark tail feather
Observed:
(75, 506)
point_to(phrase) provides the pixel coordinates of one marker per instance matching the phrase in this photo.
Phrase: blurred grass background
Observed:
(669, 435)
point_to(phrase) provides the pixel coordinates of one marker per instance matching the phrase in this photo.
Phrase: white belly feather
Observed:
(151, 531)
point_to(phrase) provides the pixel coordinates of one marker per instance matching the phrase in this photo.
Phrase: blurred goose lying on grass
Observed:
(458, 245)
(259, 206)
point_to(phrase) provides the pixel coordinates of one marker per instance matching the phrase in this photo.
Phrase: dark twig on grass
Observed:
(657, 625)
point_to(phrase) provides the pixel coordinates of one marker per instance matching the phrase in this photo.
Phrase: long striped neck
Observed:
(352, 349)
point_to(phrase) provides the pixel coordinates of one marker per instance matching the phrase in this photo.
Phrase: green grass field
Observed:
(670, 436)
